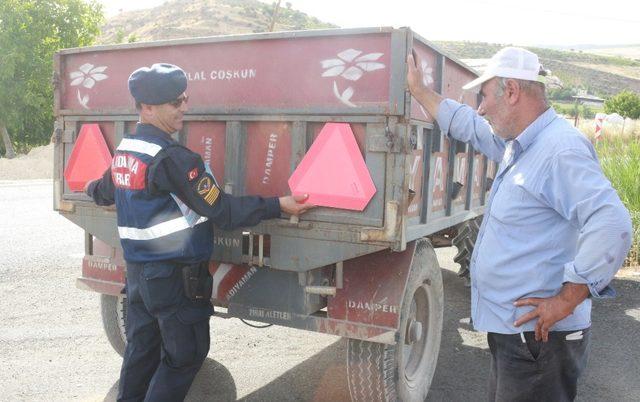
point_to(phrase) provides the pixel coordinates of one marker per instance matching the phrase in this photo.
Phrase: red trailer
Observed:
(256, 105)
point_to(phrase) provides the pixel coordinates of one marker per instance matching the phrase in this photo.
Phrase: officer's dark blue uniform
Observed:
(167, 331)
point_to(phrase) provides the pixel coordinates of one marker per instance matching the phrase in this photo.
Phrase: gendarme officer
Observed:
(167, 251)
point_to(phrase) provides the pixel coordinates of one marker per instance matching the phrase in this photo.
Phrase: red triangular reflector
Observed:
(89, 159)
(333, 172)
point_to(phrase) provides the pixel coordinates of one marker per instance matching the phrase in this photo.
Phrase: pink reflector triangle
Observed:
(89, 159)
(333, 172)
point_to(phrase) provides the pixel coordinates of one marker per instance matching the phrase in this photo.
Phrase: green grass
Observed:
(569, 109)
(620, 161)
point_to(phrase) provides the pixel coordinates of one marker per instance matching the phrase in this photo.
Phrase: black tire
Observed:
(114, 315)
(403, 372)
(464, 242)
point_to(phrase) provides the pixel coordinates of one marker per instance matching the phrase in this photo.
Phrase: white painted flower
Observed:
(350, 65)
(427, 73)
(427, 79)
(88, 75)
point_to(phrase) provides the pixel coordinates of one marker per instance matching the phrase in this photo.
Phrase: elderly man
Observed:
(553, 235)
(152, 180)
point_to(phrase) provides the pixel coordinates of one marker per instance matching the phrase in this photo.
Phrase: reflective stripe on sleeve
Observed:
(157, 231)
(143, 147)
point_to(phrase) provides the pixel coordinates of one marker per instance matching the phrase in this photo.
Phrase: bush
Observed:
(587, 112)
(625, 103)
(571, 109)
(564, 94)
(620, 161)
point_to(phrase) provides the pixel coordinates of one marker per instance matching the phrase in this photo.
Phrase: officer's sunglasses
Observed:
(178, 102)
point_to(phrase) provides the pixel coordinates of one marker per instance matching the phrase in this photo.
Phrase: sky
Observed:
(540, 22)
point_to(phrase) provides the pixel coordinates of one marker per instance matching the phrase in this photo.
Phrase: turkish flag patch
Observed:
(193, 174)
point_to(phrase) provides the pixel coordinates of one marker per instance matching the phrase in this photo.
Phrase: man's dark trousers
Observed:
(167, 335)
(533, 370)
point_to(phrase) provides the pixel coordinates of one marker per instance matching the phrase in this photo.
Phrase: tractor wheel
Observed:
(114, 315)
(464, 242)
(403, 372)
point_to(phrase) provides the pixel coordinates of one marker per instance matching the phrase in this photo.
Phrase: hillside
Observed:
(194, 18)
(600, 74)
(628, 51)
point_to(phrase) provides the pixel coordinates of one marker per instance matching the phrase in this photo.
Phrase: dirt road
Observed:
(53, 347)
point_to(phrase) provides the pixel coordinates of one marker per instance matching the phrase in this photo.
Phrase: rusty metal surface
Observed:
(389, 232)
(373, 286)
(268, 155)
(322, 324)
(366, 306)
(441, 173)
(428, 65)
(107, 288)
(254, 150)
(103, 268)
(280, 73)
(208, 139)
(319, 33)
(276, 290)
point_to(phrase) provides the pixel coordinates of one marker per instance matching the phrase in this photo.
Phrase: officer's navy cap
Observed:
(158, 84)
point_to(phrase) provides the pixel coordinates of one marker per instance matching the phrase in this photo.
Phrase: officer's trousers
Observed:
(167, 335)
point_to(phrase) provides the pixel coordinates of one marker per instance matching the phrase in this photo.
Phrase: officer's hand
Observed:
(550, 310)
(294, 204)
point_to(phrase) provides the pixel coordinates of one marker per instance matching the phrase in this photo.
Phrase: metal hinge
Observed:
(391, 137)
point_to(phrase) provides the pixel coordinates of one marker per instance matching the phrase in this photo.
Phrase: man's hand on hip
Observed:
(550, 310)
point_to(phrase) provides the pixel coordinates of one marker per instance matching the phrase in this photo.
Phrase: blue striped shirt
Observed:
(551, 217)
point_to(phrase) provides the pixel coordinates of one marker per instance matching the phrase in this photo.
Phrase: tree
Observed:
(119, 35)
(274, 17)
(625, 103)
(562, 93)
(31, 31)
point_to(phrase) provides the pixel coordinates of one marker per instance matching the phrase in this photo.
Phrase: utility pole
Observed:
(276, 7)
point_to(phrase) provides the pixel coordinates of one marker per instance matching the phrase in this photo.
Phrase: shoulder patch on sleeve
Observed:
(188, 164)
(193, 173)
(207, 189)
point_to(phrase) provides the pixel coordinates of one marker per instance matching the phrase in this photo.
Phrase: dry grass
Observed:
(630, 52)
(624, 71)
(628, 131)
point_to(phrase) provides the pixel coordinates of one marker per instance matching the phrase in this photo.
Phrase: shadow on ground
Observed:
(612, 374)
(213, 383)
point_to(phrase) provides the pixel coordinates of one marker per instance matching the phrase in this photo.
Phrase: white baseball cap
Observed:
(510, 62)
